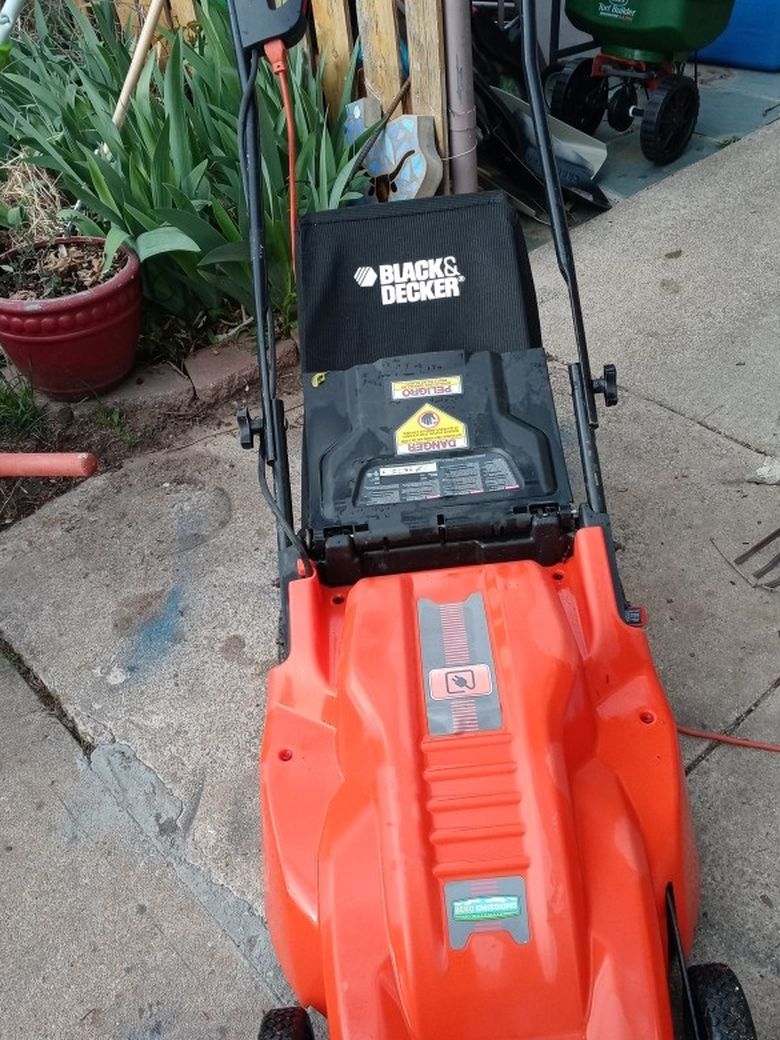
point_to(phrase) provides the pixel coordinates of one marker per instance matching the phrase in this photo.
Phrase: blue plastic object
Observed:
(751, 39)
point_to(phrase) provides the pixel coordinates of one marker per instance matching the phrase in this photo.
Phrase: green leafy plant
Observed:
(114, 419)
(168, 183)
(11, 217)
(19, 412)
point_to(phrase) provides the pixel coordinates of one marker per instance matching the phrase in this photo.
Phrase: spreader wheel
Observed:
(578, 97)
(290, 1023)
(619, 108)
(720, 1003)
(669, 119)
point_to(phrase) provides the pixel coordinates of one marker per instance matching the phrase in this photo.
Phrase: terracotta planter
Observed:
(75, 346)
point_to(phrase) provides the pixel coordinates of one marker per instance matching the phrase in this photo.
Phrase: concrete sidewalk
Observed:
(144, 601)
(102, 936)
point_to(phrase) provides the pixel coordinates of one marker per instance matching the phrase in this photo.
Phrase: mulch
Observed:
(46, 272)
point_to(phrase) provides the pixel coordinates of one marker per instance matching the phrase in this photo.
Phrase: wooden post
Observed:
(175, 13)
(425, 35)
(334, 42)
(182, 13)
(378, 25)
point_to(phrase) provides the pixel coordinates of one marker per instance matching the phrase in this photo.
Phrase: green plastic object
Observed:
(653, 31)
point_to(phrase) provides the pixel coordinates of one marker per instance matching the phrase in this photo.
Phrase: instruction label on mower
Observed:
(430, 429)
(477, 474)
(433, 386)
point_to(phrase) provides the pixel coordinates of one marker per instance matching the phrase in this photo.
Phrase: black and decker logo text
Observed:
(414, 281)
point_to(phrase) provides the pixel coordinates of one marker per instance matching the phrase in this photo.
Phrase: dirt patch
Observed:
(105, 432)
(114, 435)
(50, 271)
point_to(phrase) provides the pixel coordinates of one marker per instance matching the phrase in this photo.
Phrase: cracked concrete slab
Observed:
(680, 286)
(145, 601)
(736, 803)
(100, 938)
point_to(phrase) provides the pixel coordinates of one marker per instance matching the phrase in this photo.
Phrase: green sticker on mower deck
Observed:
(496, 904)
(486, 908)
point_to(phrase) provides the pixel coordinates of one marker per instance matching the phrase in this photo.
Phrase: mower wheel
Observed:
(578, 97)
(669, 119)
(290, 1023)
(720, 1003)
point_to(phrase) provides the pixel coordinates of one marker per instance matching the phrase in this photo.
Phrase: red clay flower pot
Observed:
(75, 346)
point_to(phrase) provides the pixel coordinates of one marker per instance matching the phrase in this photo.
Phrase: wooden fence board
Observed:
(428, 88)
(175, 13)
(378, 26)
(334, 42)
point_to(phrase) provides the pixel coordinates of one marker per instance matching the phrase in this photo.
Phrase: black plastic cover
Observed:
(434, 274)
(438, 447)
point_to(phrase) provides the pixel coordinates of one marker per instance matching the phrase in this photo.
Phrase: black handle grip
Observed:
(260, 21)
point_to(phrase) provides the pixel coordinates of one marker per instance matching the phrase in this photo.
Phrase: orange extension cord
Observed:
(276, 53)
(724, 738)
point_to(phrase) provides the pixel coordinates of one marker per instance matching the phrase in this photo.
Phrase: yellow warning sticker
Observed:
(432, 386)
(430, 429)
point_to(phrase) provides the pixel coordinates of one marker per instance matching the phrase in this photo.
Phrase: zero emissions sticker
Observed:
(486, 908)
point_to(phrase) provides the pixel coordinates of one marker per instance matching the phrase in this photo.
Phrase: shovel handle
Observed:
(47, 464)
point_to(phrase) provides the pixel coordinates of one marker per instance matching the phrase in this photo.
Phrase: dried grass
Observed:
(35, 190)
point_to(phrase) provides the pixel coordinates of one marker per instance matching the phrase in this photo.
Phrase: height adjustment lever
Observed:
(248, 429)
(607, 385)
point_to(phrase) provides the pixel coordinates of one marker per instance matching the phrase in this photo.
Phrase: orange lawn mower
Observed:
(476, 823)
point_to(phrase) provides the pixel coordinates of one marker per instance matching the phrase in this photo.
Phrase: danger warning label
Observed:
(430, 429)
(433, 386)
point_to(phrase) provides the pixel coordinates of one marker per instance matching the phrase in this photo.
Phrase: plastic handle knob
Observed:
(248, 428)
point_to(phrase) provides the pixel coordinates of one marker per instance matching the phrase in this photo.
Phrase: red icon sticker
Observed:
(473, 680)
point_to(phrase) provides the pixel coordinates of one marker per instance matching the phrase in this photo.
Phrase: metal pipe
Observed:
(460, 96)
(586, 435)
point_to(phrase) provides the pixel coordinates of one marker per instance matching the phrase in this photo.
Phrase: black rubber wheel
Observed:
(720, 1003)
(578, 97)
(290, 1023)
(549, 76)
(619, 108)
(669, 119)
